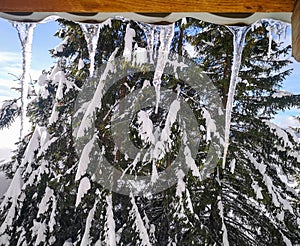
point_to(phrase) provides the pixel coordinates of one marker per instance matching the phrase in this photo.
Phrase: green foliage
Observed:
(248, 198)
(8, 113)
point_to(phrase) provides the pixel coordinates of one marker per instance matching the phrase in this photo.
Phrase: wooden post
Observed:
(296, 31)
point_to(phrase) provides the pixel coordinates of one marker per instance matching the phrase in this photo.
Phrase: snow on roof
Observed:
(224, 19)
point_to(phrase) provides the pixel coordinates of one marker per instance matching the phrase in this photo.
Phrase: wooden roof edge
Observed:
(89, 6)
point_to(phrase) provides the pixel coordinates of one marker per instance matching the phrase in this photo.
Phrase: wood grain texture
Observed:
(296, 31)
(146, 6)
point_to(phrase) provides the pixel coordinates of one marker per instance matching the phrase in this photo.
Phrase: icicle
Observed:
(239, 34)
(129, 37)
(150, 40)
(150, 32)
(91, 34)
(285, 30)
(275, 28)
(25, 33)
(166, 35)
(155, 39)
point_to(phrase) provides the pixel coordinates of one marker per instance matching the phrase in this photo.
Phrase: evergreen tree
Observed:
(255, 197)
(55, 200)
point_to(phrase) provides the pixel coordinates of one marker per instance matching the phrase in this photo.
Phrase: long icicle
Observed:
(166, 36)
(239, 34)
(25, 33)
(91, 34)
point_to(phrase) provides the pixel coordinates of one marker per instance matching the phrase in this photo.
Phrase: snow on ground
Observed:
(8, 137)
(4, 183)
(287, 119)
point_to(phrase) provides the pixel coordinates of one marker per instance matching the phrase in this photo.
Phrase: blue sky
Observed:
(291, 84)
(43, 41)
(11, 56)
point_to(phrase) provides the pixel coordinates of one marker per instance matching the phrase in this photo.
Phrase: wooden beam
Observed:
(296, 31)
(85, 6)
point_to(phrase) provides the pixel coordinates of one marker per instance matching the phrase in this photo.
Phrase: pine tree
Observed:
(255, 198)
(55, 199)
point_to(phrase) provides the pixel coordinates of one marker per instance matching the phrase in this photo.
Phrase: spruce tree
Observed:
(256, 199)
(53, 200)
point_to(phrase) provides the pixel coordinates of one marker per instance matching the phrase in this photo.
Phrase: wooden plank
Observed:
(296, 31)
(146, 6)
